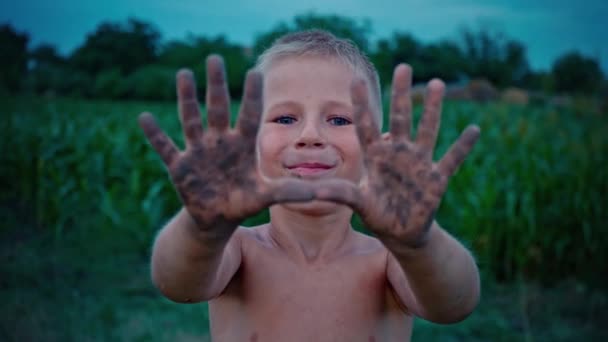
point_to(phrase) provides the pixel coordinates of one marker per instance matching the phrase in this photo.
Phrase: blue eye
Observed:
(339, 121)
(284, 120)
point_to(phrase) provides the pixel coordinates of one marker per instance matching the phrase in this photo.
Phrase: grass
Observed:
(83, 195)
(62, 294)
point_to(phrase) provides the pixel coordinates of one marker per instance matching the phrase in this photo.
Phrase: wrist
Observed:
(413, 247)
(209, 237)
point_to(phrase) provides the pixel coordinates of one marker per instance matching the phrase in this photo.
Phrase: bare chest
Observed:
(274, 298)
(339, 289)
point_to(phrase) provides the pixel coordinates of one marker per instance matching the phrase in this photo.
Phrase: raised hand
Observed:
(404, 187)
(216, 175)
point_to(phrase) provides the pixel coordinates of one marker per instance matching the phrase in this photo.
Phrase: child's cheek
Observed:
(268, 152)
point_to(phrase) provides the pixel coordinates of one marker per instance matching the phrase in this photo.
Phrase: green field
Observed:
(83, 195)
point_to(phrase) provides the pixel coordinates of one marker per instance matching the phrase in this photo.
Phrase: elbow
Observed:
(464, 304)
(456, 315)
(179, 295)
(176, 293)
(166, 290)
(458, 311)
(178, 299)
(452, 316)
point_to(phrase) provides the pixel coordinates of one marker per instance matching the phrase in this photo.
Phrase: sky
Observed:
(548, 28)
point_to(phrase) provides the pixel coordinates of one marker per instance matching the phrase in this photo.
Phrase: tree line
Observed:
(130, 60)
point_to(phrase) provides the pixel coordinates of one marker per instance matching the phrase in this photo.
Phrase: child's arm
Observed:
(216, 177)
(438, 281)
(433, 274)
(189, 268)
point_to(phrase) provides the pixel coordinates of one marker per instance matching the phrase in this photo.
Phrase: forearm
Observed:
(442, 276)
(186, 265)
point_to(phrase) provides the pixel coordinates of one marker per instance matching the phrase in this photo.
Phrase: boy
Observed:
(318, 156)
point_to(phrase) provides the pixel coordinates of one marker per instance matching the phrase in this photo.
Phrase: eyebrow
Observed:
(327, 105)
(287, 103)
(332, 104)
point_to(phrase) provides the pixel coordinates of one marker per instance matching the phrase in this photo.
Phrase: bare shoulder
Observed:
(365, 244)
(369, 253)
(253, 235)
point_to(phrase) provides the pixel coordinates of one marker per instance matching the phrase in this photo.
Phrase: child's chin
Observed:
(313, 208)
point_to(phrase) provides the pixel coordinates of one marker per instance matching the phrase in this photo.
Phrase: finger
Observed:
(401, 102)
(163, 145)
(459, 150)
(340, 191)
(218, 98)
(250, 114)
(188, 107)
(429, 123)
(287, 190)
(367, 129)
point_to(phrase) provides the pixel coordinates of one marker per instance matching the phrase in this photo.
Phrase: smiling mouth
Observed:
(309, 170)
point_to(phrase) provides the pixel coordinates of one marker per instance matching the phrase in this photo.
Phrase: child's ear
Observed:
(386, 136)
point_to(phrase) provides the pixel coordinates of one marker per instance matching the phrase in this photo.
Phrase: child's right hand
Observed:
(216, 175)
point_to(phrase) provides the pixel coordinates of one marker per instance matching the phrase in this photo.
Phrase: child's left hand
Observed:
(404, 187)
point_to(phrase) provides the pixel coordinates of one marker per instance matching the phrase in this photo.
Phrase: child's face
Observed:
(307, 128)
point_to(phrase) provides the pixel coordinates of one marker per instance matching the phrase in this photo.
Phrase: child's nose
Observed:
(309, 143)
(310, 136)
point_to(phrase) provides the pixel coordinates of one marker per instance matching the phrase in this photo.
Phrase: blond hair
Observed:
(319, 43)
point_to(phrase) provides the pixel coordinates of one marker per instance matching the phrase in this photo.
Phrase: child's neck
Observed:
(310, 239)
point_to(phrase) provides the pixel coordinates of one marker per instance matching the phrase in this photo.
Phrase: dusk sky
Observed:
(547, 28)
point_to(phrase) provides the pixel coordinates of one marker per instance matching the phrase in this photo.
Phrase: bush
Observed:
(575, 73)
(59, 80)
(111, 84)
(153, 82)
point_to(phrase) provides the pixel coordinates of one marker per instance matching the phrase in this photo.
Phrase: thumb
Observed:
(340, 191)
(286, 190)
